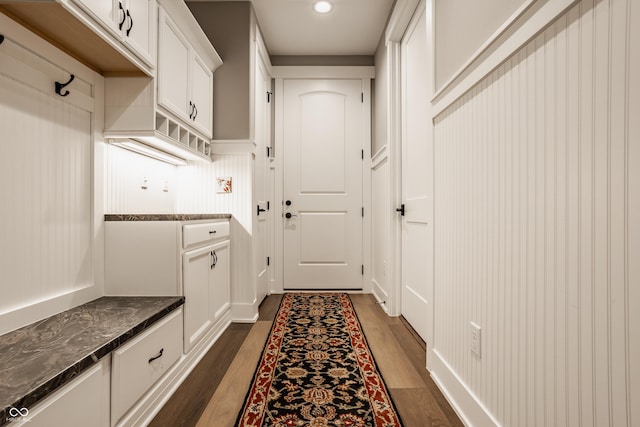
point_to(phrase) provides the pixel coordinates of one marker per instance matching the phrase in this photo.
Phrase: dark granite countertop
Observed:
(163, 217)
(39, 358)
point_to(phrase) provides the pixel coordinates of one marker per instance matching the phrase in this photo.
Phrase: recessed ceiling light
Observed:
(323, 6)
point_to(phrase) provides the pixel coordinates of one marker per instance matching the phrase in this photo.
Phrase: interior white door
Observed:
(262, 136)
(322, 150)
(417, 181)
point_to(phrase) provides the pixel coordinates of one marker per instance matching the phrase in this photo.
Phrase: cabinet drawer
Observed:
(136, 365)
(194, 234)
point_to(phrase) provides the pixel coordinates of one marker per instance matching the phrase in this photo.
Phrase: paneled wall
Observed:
(50, 254)
(537, 241)
(138, 184)
(197, 187)
(46, 221)
(380, 236)
(380, 179)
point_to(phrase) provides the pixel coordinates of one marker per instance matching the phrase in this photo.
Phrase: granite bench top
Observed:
(164, 217)
(39, 358)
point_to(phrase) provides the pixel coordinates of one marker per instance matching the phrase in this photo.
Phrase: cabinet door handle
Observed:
(130, 22)
(214, 259)
(191, 107)
(195, 111)
(124, 16)
(158, 356)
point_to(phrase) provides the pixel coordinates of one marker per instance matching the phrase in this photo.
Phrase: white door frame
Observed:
(280, 73)
(401, 18)
(399, 21)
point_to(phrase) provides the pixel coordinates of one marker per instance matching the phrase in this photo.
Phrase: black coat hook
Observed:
(60, 86)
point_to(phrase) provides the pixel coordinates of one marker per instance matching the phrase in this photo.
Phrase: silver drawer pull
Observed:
(158, 356)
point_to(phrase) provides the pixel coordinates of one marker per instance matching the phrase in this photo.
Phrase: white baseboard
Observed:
(245, 313)
(460, 397)
(149, 406)
(380, 295)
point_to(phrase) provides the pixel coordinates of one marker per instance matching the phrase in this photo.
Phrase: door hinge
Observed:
(362, 270)
(268, 261)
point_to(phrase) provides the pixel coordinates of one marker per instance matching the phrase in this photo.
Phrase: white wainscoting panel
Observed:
(537, 239)
(127, 174)
(46, 216)
(197, 187)
(380, 224)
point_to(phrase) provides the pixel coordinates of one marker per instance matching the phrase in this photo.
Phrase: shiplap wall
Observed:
(381, 218)
(126, 175)
(50, 256)
(197, 187)
(45, 221)
(537, 187)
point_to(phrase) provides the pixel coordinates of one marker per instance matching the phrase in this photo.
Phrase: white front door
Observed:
(323, 166)
(417, 181)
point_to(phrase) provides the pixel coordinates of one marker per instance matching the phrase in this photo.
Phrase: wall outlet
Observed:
(475, 339)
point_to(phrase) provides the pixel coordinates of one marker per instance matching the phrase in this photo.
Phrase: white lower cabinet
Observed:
(206, 289)
(190, 258)
(83, 402)
(138, 364)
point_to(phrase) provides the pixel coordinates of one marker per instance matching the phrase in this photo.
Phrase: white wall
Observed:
(537, 241)
(197, 187)
(380, 179)
(127, 173)
(462, 27)
(50, 240)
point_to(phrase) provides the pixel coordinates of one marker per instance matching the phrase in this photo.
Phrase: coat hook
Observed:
(60, 86)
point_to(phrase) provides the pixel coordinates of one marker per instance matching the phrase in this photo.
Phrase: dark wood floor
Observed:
(213, 393)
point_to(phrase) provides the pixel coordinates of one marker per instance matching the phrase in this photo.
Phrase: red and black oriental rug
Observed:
(317, 370)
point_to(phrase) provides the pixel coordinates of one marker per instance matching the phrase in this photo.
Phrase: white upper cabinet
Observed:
(185, 81)
(201, 96)
(132, 21)
(173, 73)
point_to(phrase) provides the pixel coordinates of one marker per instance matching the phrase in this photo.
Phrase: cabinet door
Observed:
(110, 13)
(139, 28)
(63, 408)
(220, 296)
(173, 73)
(202, 95)
(196, 280)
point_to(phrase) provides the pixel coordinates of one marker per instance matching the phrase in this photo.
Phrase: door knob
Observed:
(401, 209)
(288, 215)
(258, 210)
(288, 203)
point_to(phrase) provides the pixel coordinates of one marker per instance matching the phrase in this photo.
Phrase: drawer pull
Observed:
(213, 232)
(158, 356)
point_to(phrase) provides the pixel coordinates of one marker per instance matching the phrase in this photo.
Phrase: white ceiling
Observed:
(292, 27)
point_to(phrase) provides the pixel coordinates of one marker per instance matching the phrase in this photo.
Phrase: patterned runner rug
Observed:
(317, 370)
